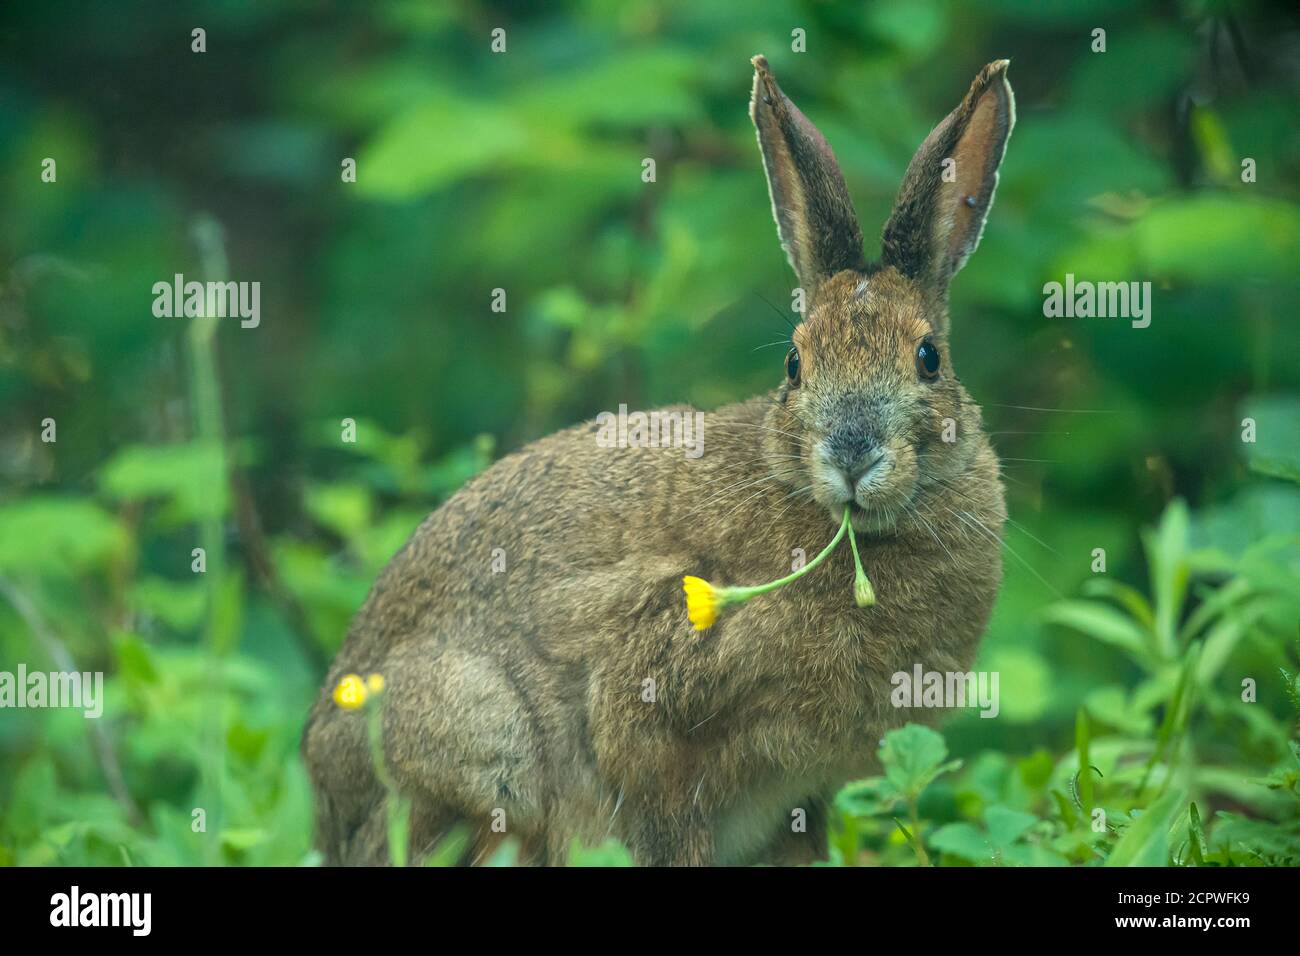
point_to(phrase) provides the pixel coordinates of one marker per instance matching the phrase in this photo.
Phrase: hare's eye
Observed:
(927, 360)
(792, 366)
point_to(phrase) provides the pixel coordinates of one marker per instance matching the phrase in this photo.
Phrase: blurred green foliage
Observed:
(522, 171)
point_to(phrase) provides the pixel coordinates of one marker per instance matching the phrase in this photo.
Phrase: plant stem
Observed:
(863, 594)
(205, 404)
(917, 843)
(397, 809)
(62, 657)
(737, 594)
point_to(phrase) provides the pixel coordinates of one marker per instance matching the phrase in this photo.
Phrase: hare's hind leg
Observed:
(462, 741)
(672, 836)
(798, 845)
(343, 782)
(435, 832)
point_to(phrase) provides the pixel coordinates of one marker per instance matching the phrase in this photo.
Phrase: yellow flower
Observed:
(375, 683)
(701, 602)
(704, 601)
(350, 692)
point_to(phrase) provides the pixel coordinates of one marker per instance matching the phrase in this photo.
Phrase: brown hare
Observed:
(554, 690)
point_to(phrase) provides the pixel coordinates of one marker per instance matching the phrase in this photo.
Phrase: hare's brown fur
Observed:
(568, 696)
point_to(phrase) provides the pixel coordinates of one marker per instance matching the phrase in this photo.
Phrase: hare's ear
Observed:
(946, 194)
(814, 216)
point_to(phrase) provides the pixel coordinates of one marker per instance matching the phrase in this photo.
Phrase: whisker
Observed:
(932, 456)
(797, 495)
(723, 493)
(1070, 411)
(784, 317)
(979, 525)
(711, 483)
(991, 434)
(740, 504)
(930, 528)
(770, 428)
(1011, 521)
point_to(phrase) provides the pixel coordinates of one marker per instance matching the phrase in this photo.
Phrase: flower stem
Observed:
(863, 593)
(736, 594)
(397, 808)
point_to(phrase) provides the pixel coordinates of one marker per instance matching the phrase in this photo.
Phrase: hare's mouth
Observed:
(872, 520)
(879, 510)
(876, 488)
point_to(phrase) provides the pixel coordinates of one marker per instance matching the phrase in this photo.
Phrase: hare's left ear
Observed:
(947, 191)
(814, 216)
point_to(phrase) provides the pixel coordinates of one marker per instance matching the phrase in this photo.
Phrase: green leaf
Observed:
(191, 477)
(1103, 623)
(1259, 841)
(1262, 516)
(450, 848)
(1025, 669)
(1065, 809)
(912, 757)
(179, 604)
(240, 839)
(1212, 607)
(964, 840)
(1196, 834)
(1145, 842)
(58, 536)
(1082, 743)
(1111, 705)
(245, 742)
(1129, 598)
(1178, 711)
(459, 466)
(1217, 236)
(505, 855)
(1006, 826)
(912, 841)
(33, 798)
(867, 798)
(134, 659)
(438, 141)
(612, 92)
(1223, 638)
(609, 853)
(1035, 770)
(1276, 448)
(1166, 548)
(343, 508)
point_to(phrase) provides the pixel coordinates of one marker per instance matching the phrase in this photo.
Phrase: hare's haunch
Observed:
(560, 693)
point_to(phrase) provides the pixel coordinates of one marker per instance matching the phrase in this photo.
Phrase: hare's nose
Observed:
(868, 466)
(854, 455)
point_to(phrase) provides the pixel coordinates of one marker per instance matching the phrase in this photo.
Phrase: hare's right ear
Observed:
(814, 216)
(947, 191)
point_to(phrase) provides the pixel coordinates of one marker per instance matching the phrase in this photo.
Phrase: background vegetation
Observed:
(523, 171)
